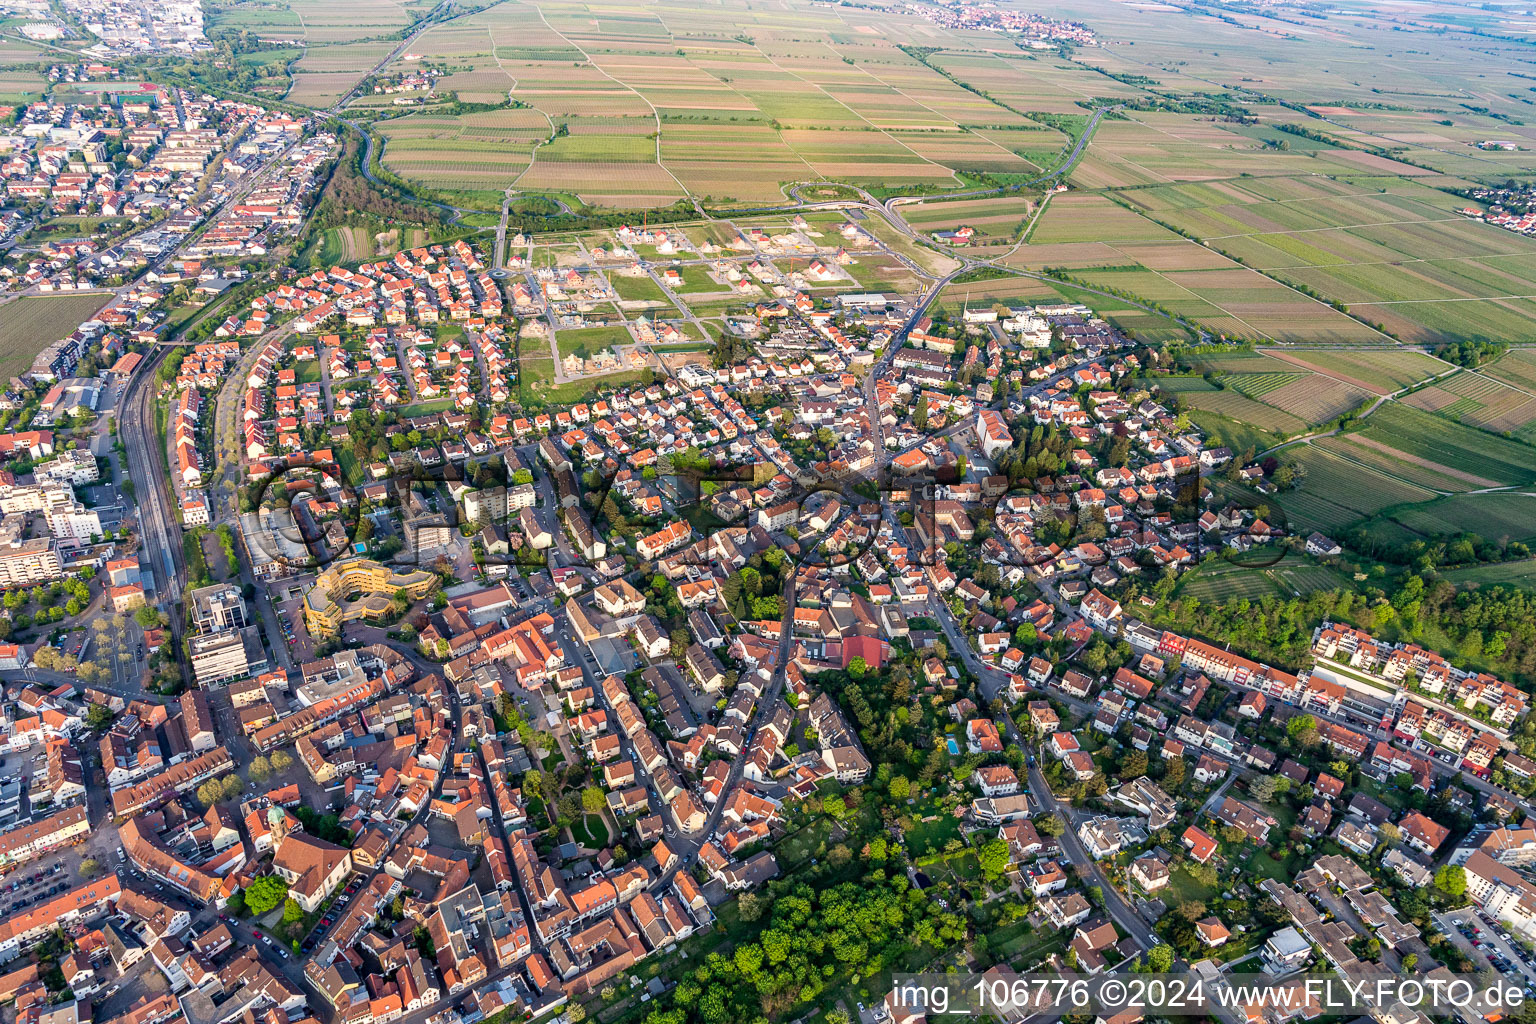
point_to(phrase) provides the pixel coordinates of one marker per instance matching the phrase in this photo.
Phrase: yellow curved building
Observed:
(359, 588)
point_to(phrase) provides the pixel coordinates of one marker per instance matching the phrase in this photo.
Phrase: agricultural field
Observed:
(1520, 574)
(1221, 580)
(1004, 291)
(313, 21)
(1516, 367)
(1338, 491)
(1181, 385)
(327, 72)
(1236, 406)
(735, 112)
(1496, 517)
(1422, 472)
(1241, 361)
(995, 220)
(1380, 371)
(30, 324)
(1310, 396)
(1111, 247)
(20, 86)
(477, 151)
(1437, 443)
(1470, 397)
(1394, 255)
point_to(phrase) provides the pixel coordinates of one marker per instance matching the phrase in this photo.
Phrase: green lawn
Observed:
(1184, 888)
(590, 832)
(929, 837)
(427, 408)
(636, 289)
(588, 341)
(1263, 865)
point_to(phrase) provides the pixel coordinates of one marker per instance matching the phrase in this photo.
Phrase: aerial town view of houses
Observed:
(475, 602)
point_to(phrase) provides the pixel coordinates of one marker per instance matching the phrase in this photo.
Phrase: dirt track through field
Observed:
(1375, 389)
(1416, 460)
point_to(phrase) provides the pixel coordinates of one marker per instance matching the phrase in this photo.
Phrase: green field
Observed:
(1236, 406)
(1496, 517)
(1240, 437)
(1517, 367)
(1182, 385)
(1393, 255)
(637, 289)
(1257, 385)
(1440, 442)
(588, 341)
(1221, 580)
(30, 324)
(1380, 370)
(1337, 492)
(1512, 574)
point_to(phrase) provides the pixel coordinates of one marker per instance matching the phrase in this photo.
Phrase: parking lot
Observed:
(21, 890)
(288, 601)
(332, 913)
(1474, 931)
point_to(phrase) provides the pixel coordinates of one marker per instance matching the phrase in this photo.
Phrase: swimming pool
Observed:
(954, 748)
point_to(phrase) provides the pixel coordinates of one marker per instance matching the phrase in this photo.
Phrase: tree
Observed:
(1410, 961)
(857, 668)
(260, 769)
(920, 415)
(265, 893)
(1263, 788)
(750, 907)
(993, 857)
(1173, 775)
(1451, 879)
(98, 717)
(280, 760)
(292, 911)
(1160, 958)
(1300, 724)
(90, 867)
(1192, 910)
(900, 787)
(1050, 824)
(592, 800)
(147, 617)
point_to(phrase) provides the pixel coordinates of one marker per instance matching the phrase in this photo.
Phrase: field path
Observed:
(533, 154)
(1374, 406)
(1416, 460)
(1341, 378)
